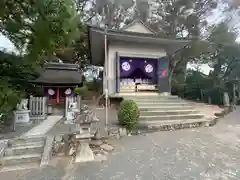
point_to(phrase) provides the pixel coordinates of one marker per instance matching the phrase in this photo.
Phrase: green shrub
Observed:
(80, 91)
(128, 114)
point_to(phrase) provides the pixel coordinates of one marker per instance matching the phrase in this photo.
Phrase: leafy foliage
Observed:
(15, 74)
(81, 90)
(128, 114)
(38, 28)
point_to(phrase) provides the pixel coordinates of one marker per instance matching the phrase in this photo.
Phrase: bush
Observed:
(128, 114)
(80, 91)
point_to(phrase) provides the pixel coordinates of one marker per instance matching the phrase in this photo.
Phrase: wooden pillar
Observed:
(66, 106)
(57, 95)
(163, 84)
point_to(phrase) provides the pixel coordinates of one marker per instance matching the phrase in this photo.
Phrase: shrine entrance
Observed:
(137, 74)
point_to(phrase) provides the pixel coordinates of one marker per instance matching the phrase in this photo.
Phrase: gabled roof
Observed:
(135, 23)
(59, 73)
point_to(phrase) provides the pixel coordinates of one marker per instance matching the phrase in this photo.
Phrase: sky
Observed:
(6, 44)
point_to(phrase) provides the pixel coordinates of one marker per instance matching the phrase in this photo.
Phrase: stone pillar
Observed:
(226, 100)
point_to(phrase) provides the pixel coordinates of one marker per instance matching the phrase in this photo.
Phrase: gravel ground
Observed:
(190, 154)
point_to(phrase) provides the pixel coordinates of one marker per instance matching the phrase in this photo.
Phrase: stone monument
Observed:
(226, 100)
(22, 112)
(84, 119)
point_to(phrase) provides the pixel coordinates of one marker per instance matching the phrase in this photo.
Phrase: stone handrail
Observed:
(3, 145)
(47, 152)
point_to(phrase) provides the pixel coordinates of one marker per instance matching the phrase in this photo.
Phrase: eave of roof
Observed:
(59, 76)
(171, 45)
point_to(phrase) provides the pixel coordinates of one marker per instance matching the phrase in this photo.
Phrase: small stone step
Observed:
(167, 112)
(30, 138)
(27, 158)
(164, 108)
(170, 117)
(19, 167)
(19, 143)
(21, 150)
(26, 141)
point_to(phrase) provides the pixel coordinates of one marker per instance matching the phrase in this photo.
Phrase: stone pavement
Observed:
(43, 127)
(191, 154)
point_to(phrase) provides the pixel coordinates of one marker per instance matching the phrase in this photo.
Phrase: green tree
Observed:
(183, 19)
(38, 28)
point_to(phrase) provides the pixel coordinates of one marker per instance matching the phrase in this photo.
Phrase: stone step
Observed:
(22, 159)
(158, 101)
(168, 112)
(151, 97)
(150, 104)
(21, 150)
(164, 108)
(170, 117)
(177, 124)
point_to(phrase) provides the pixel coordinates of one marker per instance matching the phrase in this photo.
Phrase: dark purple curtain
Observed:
(148, 66)
(127, 66)
(61, 91)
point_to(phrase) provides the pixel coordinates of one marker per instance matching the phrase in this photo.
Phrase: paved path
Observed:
(43, 127)
(193, 154)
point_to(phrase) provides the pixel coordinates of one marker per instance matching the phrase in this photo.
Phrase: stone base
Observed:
(22, 116)
(84, 153)
(165, 94)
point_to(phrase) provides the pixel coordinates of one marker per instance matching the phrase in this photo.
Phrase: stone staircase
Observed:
(22, 153)
(167, 112)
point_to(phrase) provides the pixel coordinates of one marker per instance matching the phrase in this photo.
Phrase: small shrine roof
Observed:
(59, 73)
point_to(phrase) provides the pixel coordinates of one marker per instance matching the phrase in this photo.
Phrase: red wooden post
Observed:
(57, 95)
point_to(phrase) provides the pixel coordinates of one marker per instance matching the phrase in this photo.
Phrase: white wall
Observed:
(131, 50)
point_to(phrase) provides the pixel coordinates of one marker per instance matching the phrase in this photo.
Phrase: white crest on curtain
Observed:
(51, 92)
(126, 66)
(149, 68)
(68, 91)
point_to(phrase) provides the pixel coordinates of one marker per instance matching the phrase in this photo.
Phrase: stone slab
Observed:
(84, 153)
(43, 127)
